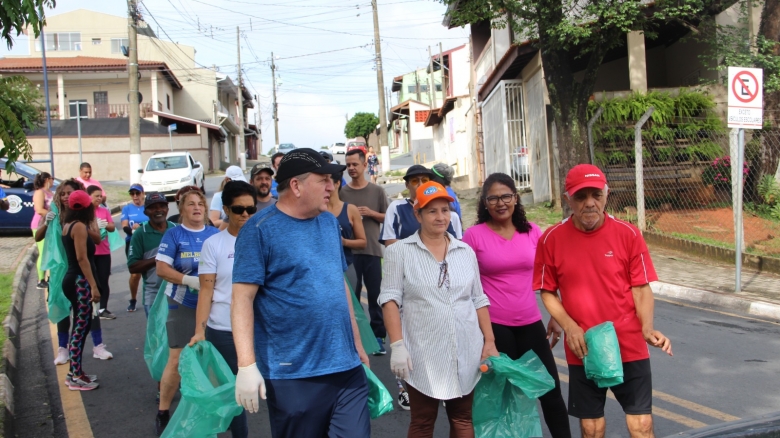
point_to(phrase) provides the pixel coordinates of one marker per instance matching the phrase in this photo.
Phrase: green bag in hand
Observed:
(55, 261)
(602, 363)
(380, 401)
(505, 398)
(208, 394)
(156, 345)
(367, 337)
(115, 241)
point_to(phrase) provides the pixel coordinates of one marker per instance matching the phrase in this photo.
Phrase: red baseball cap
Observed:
(582, 176)
(428, 192)
(79, 200)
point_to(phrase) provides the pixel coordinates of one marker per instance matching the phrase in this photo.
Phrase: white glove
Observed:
(102, 223)
(49, 217)
(191, 281)
(400, 362)
(249, 382)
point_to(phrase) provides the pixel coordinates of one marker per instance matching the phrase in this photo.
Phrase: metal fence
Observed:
(686, 176)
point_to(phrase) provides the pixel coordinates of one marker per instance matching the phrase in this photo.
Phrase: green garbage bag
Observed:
(115, 241)
(380, 401)
(156, 345)
(505, 398)
(56, 262)
(367, 337)
(602, 363)
(208, 394)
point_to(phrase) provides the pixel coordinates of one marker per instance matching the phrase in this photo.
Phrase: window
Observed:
(412, 88)
(96, 41)
(423, 88)
(117, 43)
(168, 101)
(62, 41)
(421, 116)
(78, 109)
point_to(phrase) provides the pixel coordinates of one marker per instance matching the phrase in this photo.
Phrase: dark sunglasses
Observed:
(134, 193)
(240, 209)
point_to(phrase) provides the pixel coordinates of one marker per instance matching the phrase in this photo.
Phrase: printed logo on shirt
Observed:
(190, 255)
(608, 254)
(230, 256)
(184, 243)
(163, 245)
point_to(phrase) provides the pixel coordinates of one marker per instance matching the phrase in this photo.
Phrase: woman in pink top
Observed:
(41, 202)
(505, 244)
(103, 249)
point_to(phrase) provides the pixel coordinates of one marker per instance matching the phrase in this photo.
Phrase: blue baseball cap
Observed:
(137, 187)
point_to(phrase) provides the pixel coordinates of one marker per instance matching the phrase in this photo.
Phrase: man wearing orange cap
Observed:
(602, 268)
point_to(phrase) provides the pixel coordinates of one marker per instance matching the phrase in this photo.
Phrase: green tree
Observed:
(16, 15)
(588, 29)
(20, 109)
(361, 125)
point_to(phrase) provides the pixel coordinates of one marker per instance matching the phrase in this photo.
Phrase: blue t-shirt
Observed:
(302, 325)
(274, 194)
(133, 214)
(456, 203)
(180, 247)
(2, 193)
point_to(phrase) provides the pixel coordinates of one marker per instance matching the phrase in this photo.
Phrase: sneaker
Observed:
(403, 400)
(91, 377)
(161, 422)
(43, 284)
(105, 314)
(100, 352)
(62, 356)
(82, 383)
(131, 307)
(157, 400)
(382, 350)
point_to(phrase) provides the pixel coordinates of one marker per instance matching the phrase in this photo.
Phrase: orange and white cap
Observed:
(428, 192)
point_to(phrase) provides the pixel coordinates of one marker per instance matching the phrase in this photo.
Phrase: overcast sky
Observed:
(316, 91)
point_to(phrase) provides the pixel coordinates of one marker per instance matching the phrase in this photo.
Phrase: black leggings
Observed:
(515, 342)
(103, 271)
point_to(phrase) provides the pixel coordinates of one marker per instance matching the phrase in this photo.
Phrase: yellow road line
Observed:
(687, 404)
(72, 405)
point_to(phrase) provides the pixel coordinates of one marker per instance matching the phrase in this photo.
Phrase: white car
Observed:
(168, 172)
(338, 148)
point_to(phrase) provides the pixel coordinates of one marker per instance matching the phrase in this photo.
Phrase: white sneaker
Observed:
(62, 356)
(100, 352)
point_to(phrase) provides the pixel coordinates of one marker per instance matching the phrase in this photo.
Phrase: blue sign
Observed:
(172, 127)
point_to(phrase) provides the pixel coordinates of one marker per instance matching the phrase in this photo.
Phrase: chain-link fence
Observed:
(687, 179)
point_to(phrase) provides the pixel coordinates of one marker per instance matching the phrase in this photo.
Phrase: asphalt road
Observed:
(725, 366)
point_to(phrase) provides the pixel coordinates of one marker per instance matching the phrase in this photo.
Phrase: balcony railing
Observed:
(101, 111)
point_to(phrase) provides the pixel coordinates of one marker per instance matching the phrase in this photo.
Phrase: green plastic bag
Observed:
(505, 398)
(56, 262)
(367, 337)
(380, 401)
(208, 394)
(602, 363)
(115, 241)
(156, 345)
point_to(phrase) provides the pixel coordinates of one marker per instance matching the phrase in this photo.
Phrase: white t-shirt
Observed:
(216, 257)
(216, 205)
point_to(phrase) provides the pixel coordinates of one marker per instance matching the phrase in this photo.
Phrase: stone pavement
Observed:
(12, 248)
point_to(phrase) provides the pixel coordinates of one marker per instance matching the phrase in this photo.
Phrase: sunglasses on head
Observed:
(186, 189)
(240, 209)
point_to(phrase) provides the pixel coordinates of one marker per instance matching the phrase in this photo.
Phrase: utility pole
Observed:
(276, 106)
(431, 90)
(417, 85)
(241, 148)
(441, 74)
(380, 85)
(259, 126)
(134, 115)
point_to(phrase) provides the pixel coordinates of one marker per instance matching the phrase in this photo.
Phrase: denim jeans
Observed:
(223, 342)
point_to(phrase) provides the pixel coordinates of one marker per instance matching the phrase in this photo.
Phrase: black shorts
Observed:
(635, 394)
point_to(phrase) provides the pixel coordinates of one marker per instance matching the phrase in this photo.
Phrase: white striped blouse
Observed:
(439, 323)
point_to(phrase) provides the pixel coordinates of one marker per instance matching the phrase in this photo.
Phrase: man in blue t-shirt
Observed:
(292, 319)
(132, 217)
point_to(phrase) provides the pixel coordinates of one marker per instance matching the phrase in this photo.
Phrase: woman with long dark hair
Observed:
(103, 250)
(505, 244)
(41, 201)
(79, 285)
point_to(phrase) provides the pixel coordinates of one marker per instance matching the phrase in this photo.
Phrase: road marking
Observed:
(76, 419)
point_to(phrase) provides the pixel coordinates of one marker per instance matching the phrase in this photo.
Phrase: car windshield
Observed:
(357, 143)
(165, 163)
(20, 169)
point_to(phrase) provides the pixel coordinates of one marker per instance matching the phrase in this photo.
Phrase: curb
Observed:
(762, 309)
(11, 347)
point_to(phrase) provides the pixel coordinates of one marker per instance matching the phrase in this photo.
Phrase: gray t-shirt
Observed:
(262, 205)
(375, 198)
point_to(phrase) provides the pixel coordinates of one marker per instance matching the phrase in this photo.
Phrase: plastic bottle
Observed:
(486, 366)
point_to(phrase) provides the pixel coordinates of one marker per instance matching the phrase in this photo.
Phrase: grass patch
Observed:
(701, 239)
(543, 215)
(116, 194)
(6, 282)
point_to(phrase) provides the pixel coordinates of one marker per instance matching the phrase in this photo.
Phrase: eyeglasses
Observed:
(240, 209)
(418, 180)
(444, 276)
(506, 199)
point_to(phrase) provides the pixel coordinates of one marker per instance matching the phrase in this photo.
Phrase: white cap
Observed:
(235, 174)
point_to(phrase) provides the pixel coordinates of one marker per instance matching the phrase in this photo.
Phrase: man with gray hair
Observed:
(442, 174)
(291, 314)
(602, 268)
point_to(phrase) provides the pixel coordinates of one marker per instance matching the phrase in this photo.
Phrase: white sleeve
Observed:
(456, 225)
(208, 255)
(216, 202)
(388, 231)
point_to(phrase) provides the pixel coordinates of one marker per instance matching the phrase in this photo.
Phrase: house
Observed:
(512, 98)
(88, 80)
(407, 119)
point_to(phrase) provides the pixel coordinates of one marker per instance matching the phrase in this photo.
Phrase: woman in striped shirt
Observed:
(444, 331)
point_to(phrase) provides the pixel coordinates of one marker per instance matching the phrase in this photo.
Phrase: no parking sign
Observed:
(746, 98)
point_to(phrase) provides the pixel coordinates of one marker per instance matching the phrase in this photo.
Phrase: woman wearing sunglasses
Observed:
(212, 317)
(444, 332)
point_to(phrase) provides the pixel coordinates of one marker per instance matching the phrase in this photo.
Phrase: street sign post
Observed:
(745, 111)
(171, 128)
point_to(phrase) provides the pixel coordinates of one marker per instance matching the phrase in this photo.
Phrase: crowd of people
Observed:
(265, 272)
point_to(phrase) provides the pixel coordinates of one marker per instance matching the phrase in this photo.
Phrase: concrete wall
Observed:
(198, 100)
(109, 155)
(460, 76)
(418, 129)
(502, 39)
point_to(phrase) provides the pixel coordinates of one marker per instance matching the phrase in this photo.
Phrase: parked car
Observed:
(168, 172)
(338, 148)
(19, 195)
(357, 143)
(286, 147)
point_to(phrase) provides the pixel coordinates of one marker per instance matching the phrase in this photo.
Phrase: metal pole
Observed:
(78, 127)
(48, 106)
(170, 138)
(241, 150)
(640, 176)
(134, 115)
(737, 205)
(276, 106)
(384, 149)
(591, 122)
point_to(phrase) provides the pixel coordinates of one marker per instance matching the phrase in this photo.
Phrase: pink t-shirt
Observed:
(103, 248)
(91, 182)
(506, 268)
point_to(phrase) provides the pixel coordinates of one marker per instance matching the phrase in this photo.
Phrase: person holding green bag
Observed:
(103, 250)
(602, 268)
